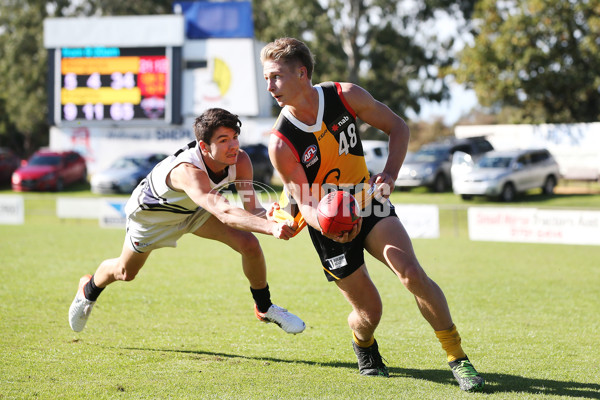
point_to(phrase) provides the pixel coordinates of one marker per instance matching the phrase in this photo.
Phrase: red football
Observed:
(337, 213)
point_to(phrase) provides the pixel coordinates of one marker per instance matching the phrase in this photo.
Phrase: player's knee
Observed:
(128, 275)
(412, 275)
(249, 245)
(125, 274)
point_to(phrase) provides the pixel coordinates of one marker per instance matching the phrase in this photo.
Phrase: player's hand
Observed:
(283, 230)
(346, 236)
(383, 184)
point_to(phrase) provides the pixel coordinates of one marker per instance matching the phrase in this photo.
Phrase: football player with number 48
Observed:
(314, 144)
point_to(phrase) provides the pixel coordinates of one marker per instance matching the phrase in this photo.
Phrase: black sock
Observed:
(262, 298)
(91, 291)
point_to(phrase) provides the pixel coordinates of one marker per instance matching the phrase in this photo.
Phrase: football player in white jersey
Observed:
(181, 195)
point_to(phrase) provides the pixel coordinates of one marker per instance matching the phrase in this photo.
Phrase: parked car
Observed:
(9, 162)
(261, 164)
(125, 173)
(504, 174)
(49, 170)
(376, 152)
(430, 165)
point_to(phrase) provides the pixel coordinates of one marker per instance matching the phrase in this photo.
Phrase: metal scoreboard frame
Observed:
(114, 71)
(112, 85)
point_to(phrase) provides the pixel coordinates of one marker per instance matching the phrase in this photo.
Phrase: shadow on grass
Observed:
(494, 382)
(506, 383)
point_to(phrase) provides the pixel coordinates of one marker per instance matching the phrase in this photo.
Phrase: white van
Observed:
(376, 153)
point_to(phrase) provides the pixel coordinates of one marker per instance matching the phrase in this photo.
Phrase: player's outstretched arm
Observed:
(195, 183)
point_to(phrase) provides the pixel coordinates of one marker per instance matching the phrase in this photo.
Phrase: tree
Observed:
(538, 60)
(306, 20)
(378, 44)
(428, 132)
(22, 72)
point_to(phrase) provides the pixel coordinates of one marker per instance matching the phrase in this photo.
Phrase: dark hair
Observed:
(290, 51)
(212, 119)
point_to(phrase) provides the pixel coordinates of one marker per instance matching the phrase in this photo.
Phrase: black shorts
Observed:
(342, 259)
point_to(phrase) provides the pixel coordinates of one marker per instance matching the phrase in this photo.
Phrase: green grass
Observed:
(527, 313)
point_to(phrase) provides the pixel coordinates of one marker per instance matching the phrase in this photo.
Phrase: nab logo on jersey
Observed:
(339, 124)
(342, 121)
(309, 153)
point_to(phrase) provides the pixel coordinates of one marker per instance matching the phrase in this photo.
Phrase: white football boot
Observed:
(281, 317)
(81, 307)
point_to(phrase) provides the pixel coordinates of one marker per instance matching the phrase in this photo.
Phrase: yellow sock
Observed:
(450, 340)
(360, 343)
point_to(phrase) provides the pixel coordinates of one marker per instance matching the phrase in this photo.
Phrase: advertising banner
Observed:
(12, 210)
(112, 213)
(532, 225)
(229, 79)
(101, 146)
(420, 221)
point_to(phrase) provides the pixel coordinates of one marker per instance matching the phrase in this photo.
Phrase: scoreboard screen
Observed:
(116, 85)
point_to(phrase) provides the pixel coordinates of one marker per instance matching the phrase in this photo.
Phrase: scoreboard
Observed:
(115, 85)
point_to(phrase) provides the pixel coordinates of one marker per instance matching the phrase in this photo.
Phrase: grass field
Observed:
(185, 329)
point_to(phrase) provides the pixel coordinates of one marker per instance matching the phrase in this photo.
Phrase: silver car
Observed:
(125, 173)
(430, 165)
(504, 174)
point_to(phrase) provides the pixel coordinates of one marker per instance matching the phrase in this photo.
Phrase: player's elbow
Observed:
(402, 130)
(406, 136)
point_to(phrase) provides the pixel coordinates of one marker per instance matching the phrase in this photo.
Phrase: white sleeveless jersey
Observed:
(154, 202)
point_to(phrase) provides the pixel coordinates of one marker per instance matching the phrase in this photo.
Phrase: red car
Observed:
(9, 162)
(49, 170)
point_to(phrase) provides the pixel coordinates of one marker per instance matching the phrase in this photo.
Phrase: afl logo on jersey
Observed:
(309, 154)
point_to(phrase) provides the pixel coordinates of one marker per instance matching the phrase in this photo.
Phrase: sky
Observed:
(462, 100)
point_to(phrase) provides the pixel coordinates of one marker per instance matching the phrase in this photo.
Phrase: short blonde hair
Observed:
(290, 51)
